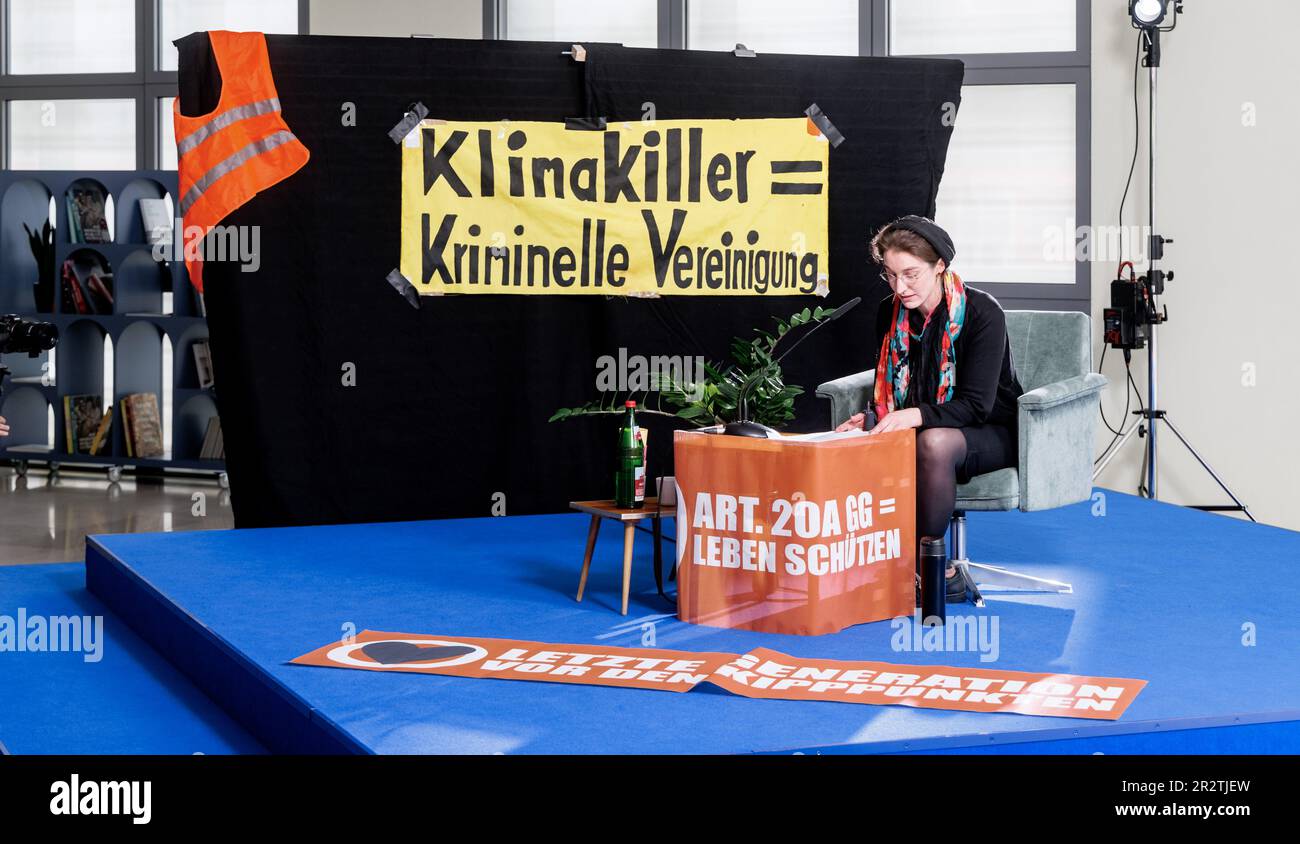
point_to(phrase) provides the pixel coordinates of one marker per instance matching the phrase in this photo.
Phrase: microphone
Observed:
(742, 427)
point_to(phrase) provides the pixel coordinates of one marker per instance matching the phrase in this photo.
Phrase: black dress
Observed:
(983, 403)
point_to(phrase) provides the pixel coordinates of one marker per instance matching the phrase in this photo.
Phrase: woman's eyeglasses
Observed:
(910, 276)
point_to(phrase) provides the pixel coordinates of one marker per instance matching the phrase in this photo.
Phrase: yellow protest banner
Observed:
(667, 207)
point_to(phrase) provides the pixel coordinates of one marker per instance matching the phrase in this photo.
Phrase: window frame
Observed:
(146, 84)
(1073, 67)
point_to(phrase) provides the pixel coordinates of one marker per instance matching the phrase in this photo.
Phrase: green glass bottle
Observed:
(629, 477)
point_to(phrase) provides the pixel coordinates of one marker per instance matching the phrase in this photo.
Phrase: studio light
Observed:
(1155, 15)
(1147, 12)
(1134, 313)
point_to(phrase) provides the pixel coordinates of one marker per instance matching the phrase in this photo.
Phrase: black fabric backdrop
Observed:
(449, 409)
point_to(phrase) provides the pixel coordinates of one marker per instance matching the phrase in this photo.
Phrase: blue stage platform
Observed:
(1162, 593)
(130, 700)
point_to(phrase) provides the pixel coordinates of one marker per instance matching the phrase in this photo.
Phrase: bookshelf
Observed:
(153, 306)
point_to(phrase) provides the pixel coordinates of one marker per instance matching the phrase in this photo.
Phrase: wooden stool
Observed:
(605, 509)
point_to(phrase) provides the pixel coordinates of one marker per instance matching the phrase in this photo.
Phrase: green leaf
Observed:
(771, 402)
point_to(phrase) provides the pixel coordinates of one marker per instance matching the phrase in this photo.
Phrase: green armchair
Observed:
(1052, 352)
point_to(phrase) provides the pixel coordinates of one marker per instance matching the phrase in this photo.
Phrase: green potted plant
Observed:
(42, 246)
(712, 399)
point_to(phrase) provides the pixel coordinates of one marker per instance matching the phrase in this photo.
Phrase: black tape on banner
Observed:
(587, 124)
(411, 118)
(403, 286)
(824, 124)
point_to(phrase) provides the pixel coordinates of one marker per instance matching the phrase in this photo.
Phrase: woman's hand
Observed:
(898, 420)
(853, 423)
(4, 427)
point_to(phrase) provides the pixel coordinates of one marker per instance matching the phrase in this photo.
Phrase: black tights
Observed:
(940, 452)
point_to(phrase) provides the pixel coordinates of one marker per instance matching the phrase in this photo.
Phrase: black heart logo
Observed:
(397, 653)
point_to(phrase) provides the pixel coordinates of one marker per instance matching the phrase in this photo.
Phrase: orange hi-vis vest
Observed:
(241, 147)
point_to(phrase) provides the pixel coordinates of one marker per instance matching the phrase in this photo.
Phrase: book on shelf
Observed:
(74, 222)
(100, 292)
(209, 435)
(88, 209)
(156, 220)
(203, 363)
(126, 430)
(142, 425)
(87, 287)
(101, 434)
(73, 297)
(81, 418)
(214, 446)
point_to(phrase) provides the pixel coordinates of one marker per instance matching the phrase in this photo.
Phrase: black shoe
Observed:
(957, 587)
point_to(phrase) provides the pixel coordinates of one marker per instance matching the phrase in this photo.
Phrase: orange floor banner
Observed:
(510, 659)
(761, 673)
(795, 536)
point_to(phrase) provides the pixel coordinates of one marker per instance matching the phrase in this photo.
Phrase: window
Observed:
(822, 27)
(73, 95)
(633, 23)
(59, 134)
(178, 18)
(166, 134)
(1009, 184)
(66, 36)
(1016, 180)
(981, 26)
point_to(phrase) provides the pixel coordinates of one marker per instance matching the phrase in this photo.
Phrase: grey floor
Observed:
(45, 519)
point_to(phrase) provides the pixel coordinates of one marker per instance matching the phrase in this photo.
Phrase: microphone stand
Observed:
(743, 427)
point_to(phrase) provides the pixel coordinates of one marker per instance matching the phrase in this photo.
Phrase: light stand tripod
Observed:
(1145, 424)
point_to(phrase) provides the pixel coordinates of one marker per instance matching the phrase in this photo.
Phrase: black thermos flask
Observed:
(934, 564)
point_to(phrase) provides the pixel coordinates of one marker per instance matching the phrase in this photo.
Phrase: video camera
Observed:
(19, 336)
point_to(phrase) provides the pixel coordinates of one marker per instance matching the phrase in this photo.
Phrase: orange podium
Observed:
(802, 535)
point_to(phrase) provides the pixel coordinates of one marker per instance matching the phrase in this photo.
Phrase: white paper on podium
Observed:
(820, 436)
(773, 434)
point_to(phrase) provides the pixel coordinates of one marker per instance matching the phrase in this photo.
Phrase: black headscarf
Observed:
(933, 234)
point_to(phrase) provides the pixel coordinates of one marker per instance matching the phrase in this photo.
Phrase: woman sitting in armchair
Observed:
(944, 367)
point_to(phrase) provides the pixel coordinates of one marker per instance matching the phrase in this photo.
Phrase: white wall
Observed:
(399, 18)
(1229, 196)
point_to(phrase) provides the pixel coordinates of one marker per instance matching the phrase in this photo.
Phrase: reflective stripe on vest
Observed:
(266, 144)
(223, 120)
(240, 148)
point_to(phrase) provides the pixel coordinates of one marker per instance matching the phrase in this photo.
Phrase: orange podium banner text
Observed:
(795, 535)
(761, 673)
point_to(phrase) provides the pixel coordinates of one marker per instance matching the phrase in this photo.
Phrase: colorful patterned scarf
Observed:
(894, 370)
